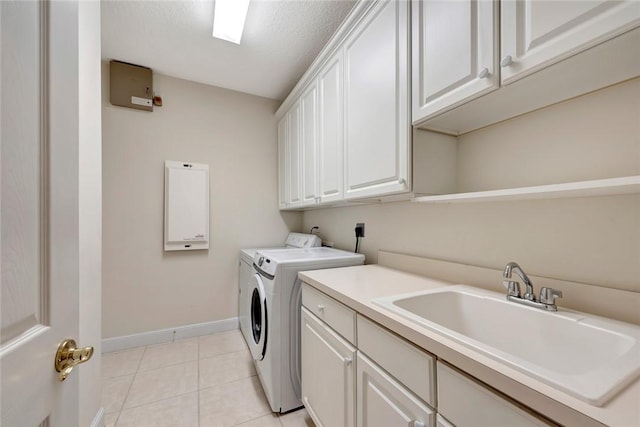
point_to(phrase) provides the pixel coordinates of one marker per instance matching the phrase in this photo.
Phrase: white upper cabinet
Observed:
(283, 183)
(308, 145)
(292, 171)
(330, 136)
(455, 51)
(563, 48)
(376, 88)
(536, 33)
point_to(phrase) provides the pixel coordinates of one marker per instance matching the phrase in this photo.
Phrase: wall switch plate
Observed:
(141, 101)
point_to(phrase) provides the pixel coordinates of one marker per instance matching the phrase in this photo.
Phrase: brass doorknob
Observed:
(68, 356)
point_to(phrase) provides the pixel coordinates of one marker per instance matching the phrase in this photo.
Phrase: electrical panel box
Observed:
(130, 85)
(186, 206)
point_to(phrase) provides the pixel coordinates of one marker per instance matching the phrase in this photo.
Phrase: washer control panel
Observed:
(300, 240)
(264, 264)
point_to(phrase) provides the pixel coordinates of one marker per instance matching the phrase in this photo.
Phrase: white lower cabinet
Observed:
(328, 382)
(387, 381)
(384, 402)
(442, 422)
(465, 402)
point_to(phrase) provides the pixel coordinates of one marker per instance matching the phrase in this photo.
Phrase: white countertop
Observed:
(356, 287)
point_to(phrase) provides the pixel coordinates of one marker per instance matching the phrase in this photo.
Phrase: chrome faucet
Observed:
(512, 266)
(547, 295)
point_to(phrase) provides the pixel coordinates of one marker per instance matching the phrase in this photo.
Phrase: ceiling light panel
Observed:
(228, 19)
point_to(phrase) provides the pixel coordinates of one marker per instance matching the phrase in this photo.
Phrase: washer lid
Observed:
(280, 256)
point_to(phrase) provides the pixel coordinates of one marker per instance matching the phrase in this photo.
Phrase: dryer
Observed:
(274, 300)
(245, 271)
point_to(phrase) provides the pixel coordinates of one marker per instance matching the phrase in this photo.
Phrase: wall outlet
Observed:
(360, 229)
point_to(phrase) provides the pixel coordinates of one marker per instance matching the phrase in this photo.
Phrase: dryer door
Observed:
(258, 308)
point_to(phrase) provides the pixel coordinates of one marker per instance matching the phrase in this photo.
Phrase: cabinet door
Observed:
(455, 50)
(330, 144)
(283, 154)
(442, 421)
(328, 383)
(293, 161)
(377, 103)
(383, 402)
(308, 144)
(537, 33)
(467, 403)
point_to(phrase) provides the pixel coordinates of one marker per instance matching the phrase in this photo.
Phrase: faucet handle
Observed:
(549, 295)
(513, 288)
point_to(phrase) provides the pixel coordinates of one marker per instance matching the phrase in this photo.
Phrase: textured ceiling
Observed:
(281, 38)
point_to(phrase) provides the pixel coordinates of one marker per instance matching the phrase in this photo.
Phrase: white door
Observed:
(382, 401)
(538, 33)
(455, 47)
(40, 220)
(376, 90)
(330, 131)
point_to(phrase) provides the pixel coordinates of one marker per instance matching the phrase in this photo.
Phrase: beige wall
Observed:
(590, 240)
(145, 288)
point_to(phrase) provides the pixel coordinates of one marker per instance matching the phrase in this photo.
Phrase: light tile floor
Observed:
(208, 381)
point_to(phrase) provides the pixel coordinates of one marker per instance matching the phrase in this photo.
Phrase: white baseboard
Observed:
(98, 420)
(167, 335)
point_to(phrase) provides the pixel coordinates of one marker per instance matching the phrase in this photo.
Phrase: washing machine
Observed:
(274, 300)
(293, 241)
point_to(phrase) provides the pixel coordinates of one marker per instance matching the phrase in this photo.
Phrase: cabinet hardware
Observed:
(506, 61)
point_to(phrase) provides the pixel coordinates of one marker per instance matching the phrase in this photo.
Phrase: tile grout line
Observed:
(225, 354)
(230, 382)
(126, 396)
(158, 401)
(167, 366)
(164, 366)
(198, 382)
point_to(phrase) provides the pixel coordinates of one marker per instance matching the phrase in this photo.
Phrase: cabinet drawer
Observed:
(466, 402)
(412, 366)
(338, 316)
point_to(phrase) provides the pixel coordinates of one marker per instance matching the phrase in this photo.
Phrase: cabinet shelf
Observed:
(599, 187)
